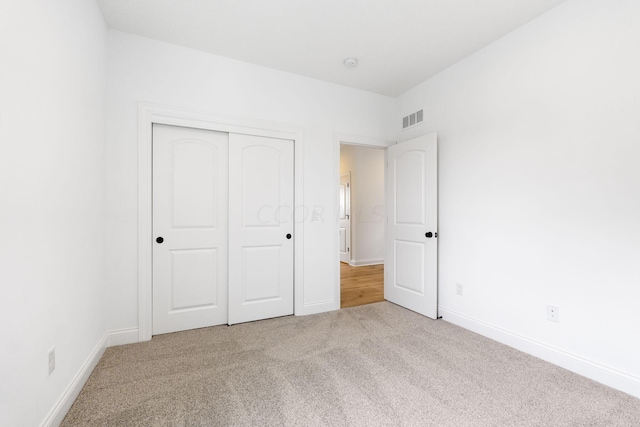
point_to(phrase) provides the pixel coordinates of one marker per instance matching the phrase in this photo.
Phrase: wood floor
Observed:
(361, 285)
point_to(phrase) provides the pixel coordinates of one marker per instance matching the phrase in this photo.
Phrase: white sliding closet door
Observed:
(222, 228)
(190, 193)
(261, 227)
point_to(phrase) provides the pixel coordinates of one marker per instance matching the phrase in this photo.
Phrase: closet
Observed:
(222, 228)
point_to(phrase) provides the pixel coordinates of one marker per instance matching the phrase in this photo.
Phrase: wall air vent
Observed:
(412, 119)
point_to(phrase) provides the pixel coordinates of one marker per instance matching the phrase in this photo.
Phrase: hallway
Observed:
(361, 285)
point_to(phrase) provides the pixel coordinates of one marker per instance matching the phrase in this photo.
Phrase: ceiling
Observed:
(398, 43)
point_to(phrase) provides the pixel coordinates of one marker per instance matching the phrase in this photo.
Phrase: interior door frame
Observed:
(148, 114)
(361, 141)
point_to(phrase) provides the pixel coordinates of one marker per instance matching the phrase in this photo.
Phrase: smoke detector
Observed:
(351, 63)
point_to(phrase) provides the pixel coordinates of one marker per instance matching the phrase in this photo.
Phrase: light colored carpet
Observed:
(371, 365)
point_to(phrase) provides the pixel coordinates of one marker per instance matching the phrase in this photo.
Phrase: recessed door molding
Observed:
(148, 114)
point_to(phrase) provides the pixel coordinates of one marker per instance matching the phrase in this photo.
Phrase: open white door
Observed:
(261, 225)
(344, 227)
(411, 258)
(189, 228)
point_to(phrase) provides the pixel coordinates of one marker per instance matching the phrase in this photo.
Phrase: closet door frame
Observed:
(148, 114)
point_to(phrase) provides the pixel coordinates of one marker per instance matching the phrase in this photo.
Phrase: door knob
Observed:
(288, 236)
(159, 240)
(428, 234)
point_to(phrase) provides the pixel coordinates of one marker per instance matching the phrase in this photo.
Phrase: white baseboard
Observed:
(607, 375)
(59, 411)
(320, 307)
(363, 262)
(109, 339)
(122, 337)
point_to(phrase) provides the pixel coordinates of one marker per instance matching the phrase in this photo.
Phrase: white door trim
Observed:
(363, 141)
(153, 113)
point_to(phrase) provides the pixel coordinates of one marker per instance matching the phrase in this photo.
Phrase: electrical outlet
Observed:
(52, 360)
(459, 289)
(553, 313)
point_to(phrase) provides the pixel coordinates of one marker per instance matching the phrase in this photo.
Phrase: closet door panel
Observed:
(261, 227)
(190, 228)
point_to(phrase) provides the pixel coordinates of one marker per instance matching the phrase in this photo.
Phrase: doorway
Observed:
(362, 227)
(410, 221)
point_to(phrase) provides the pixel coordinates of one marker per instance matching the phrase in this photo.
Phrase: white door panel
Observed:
(190, 215)
(261, 280)
(343, 243)
(412, 214)
(344, 227)
(196, 270)
(260, 228)
(409, 174)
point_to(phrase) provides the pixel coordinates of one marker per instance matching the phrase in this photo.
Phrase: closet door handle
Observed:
(428, 234)
(288, 236)
(160, 240)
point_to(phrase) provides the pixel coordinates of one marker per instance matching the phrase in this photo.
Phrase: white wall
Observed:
(141, 69)
(539, 168)
(539, 148)
(367, 202)
(52, 199)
